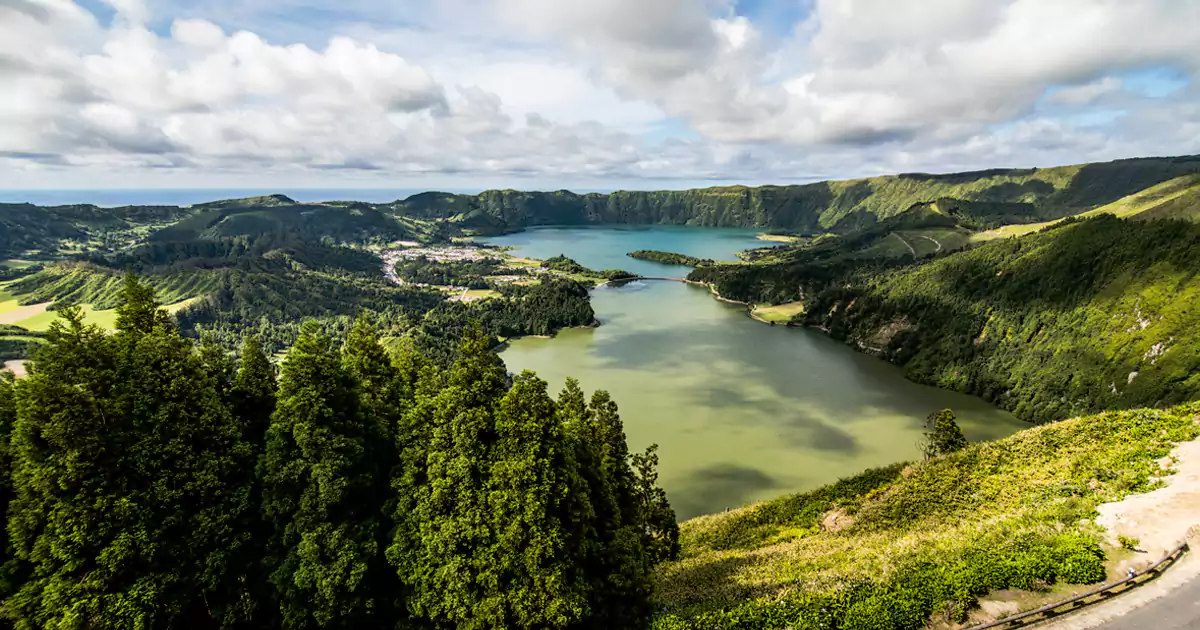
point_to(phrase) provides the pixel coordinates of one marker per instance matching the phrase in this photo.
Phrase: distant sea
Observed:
(187, 197)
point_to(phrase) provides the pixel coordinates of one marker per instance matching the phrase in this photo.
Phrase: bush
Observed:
(1128, 542)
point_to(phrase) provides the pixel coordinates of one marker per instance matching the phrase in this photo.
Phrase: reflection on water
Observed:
(742, 411)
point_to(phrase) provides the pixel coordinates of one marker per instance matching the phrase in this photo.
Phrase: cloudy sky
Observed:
(594, 94)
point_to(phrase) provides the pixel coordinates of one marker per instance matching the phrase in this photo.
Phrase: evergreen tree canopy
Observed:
(125, 462)
(154, 482)
(319, 491)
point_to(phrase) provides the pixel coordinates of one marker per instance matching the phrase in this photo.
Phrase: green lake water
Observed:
(741, 411)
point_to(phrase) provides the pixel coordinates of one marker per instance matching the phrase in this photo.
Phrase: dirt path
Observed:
(1160, 520)
(23, 312)
(934, 241)
(16, 367)
(906, 243)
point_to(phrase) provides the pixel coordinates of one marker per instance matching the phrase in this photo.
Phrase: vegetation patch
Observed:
(924, 540)
(780, 313)
(670, 258)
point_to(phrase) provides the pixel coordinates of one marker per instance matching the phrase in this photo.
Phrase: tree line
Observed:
(155, 482)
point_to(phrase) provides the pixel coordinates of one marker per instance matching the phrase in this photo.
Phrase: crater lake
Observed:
(741, 411)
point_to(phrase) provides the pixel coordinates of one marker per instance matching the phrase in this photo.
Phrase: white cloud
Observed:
(1088, 92)
(584, 90)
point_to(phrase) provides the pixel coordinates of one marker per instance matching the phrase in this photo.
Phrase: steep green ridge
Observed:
(994, 197)
(1177, 198)
(888, 549)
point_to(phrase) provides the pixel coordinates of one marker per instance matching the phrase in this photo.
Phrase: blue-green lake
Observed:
(741, 411)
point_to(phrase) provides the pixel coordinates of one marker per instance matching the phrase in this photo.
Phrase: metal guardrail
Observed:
(1170, 557)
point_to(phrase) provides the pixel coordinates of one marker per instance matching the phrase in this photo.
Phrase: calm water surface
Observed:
(606, 247)
(741, 411)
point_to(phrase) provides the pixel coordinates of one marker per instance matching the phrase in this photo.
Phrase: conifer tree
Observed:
(419, 381)
(383, 401)
(318, 487)
(660, 538)
(219, 365)
(139, 311)
(254, 390)
(252, 597)
(123, 457)
(618, 564)
(8, 416)
(536, 584)
(439, 565)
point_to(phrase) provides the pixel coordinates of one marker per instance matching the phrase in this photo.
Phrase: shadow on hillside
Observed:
(1099, 184)
(695, 583)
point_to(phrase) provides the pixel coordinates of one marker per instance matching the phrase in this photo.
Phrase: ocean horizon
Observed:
(189, 196)
(110, 197)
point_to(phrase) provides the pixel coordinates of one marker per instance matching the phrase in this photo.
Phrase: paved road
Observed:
(1179, 610)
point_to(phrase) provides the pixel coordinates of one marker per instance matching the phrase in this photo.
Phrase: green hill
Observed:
(47, 231)
(895, 547)
(996, 196)
(1087, 315)
(355, 223)
(1178, 198)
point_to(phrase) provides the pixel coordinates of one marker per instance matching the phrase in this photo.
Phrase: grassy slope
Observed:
(1177, 198)
(933, 537)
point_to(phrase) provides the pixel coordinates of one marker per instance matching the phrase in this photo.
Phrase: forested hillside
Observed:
(994, 197)
(1087, 315)
(26, 229)
(148, 481)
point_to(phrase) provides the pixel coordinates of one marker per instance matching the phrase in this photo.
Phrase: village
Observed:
(460, 253)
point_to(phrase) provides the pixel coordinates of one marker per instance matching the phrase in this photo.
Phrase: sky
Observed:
(588, 94)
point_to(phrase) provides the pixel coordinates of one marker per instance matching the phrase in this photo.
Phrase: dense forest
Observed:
(154, 482)
(458, 273)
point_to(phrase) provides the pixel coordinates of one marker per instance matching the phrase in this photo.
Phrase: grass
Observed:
(780, 313)
(1179, 198)
(778, 238)
(481, 294)
(929, 538)
(106, 319)
(17, 264)
(7, 301)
